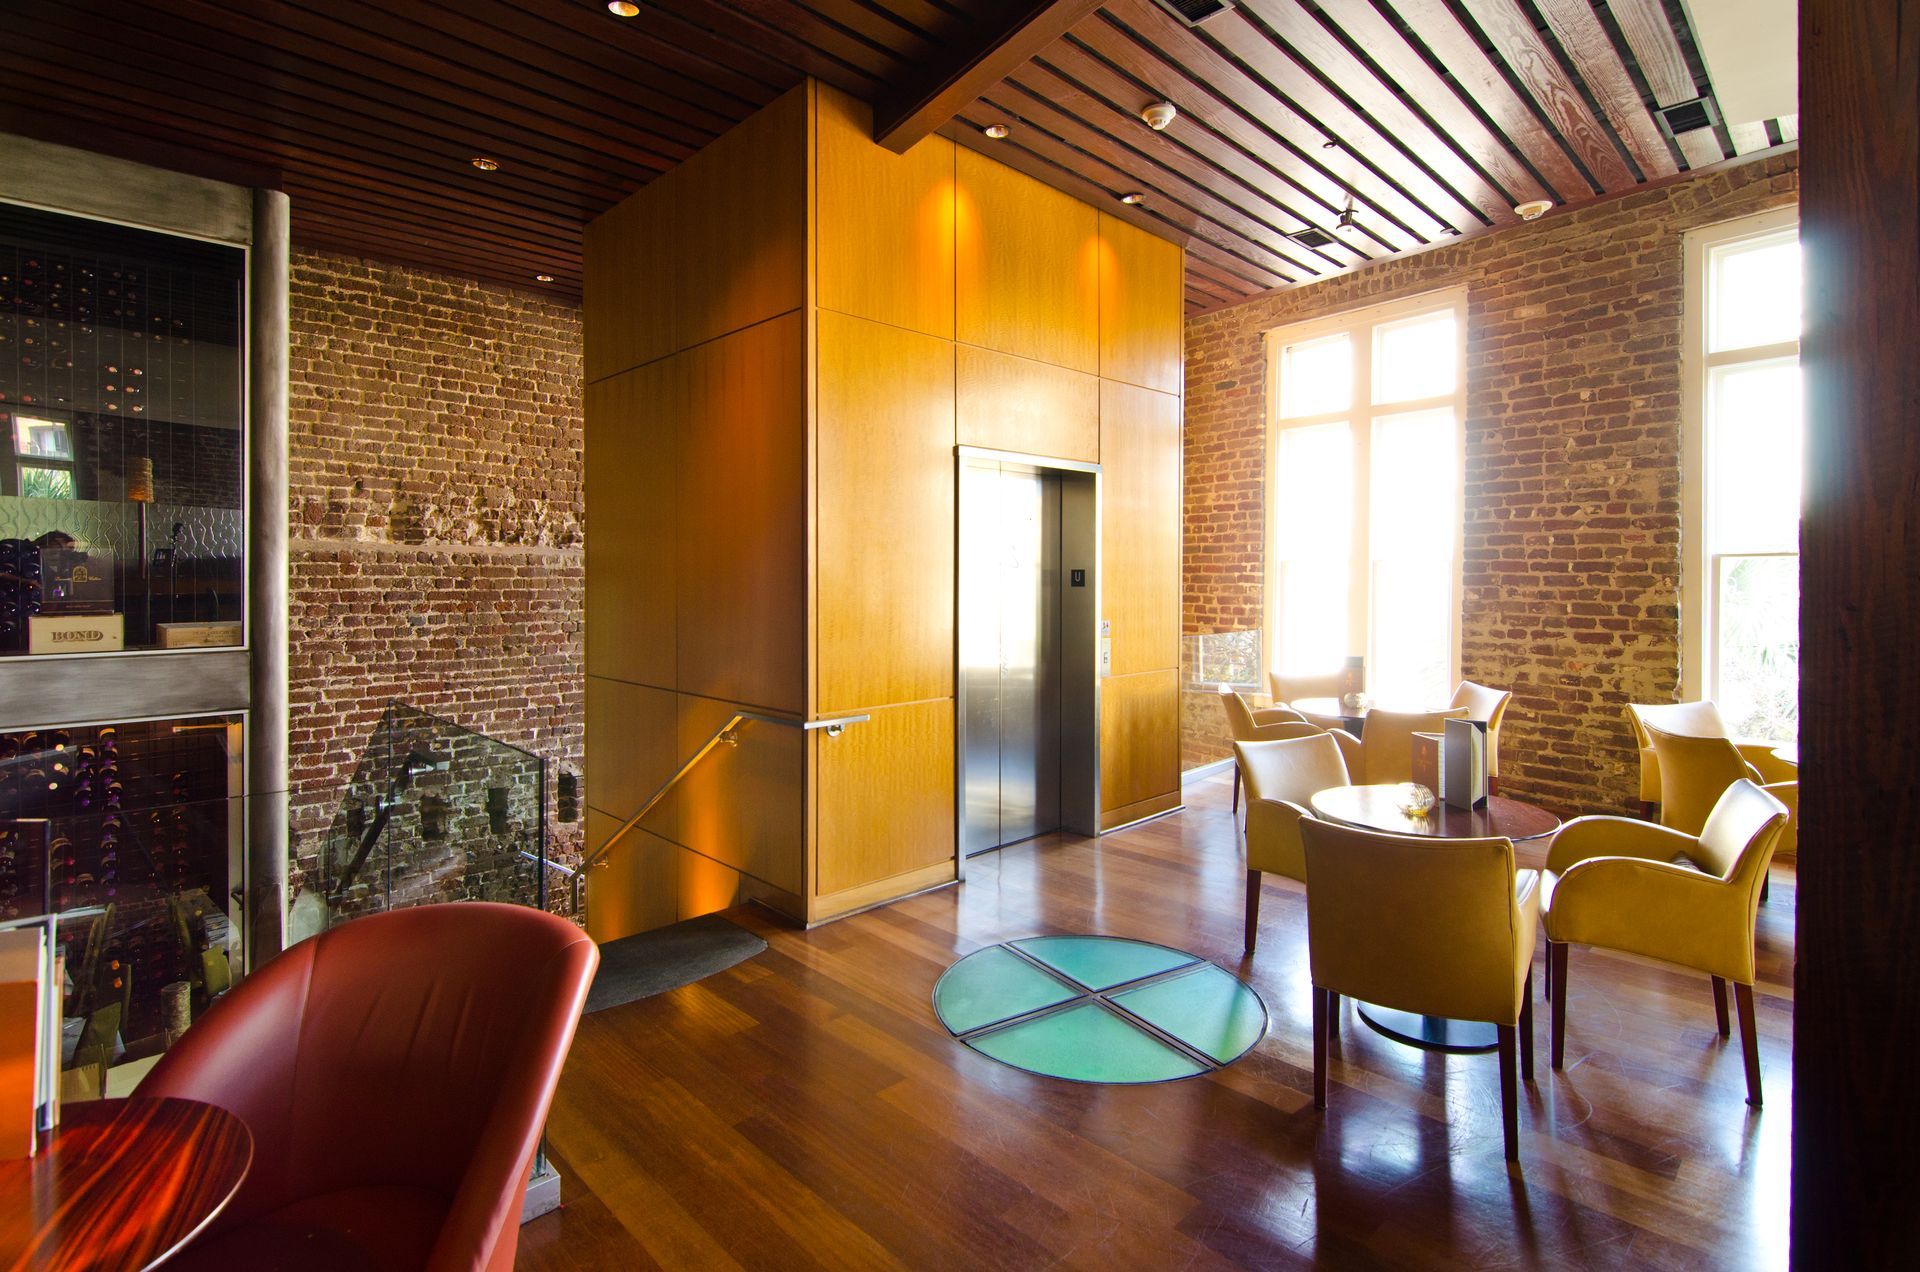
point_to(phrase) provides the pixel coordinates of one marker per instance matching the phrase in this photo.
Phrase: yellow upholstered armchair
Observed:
(1384, 752)
(1293, 688)
(1483, 703)
(1442, 927)
(1263, 724)
(1696, 771)
(1281, 777)
(1690, 719)
(1624, 884)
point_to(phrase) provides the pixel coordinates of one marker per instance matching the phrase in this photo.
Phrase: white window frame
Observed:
(1359, 415)
(1699, 577)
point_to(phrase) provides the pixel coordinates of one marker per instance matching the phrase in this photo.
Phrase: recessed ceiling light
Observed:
(543, 278)
(485, 164)
(1133, 198)
(1159, 115)
(996, 131)
(622, 8)
(1533, 209)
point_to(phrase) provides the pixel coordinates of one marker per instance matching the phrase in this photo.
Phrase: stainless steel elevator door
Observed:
(1009, 653)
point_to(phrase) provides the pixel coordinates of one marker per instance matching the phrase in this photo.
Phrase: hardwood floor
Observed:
(805, 1109)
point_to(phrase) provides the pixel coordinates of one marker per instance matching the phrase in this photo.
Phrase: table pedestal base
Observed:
(1430, 1033)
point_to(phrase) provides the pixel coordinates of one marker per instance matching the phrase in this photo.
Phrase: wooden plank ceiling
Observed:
(1413, 121)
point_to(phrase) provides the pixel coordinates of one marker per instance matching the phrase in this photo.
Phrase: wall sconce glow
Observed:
(485, 164)
(1533, 209)
(1159, 115)
(996, 131)
(622, 8)
(1133, 198)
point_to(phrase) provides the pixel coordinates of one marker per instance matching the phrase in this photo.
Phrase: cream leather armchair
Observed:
(1690, 719)
(1695, 772)
(1281, 777)
(1483, 703)
(1384, 752)
(1287, 689)
(1263, 724)
(1442, 927)
(1624, 884)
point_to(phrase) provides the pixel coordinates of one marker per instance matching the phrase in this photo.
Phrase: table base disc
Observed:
(1430, 1033)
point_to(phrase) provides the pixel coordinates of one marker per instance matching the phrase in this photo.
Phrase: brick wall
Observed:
(1572, 515)
(437, 507)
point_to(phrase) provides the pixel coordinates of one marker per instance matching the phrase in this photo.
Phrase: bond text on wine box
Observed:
(75, 633)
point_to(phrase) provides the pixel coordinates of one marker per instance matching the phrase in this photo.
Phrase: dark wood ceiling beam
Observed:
(1102, 98)
(1504, 150)
(1593, 55)
(1142, 39)
(1031, 96)
(1329, 59)
(1519, 42)
(1644, 25)
(1282, 74)
(925, 97)
(820, 48)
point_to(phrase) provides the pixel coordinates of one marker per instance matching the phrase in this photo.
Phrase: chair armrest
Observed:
(1656, 909)
(1350, 753)
(1273, 838)
(1586, 837)
(1277, 715)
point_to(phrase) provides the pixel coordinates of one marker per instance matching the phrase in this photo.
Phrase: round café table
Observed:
(120, 1184)
(1352, 719)
(1378, 808)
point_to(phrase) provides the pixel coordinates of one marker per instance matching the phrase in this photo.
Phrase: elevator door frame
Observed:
(1079, 731)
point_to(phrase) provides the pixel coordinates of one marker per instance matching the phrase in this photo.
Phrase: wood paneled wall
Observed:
(772, 491)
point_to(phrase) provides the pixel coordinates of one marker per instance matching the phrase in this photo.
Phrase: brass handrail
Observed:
(728, 733)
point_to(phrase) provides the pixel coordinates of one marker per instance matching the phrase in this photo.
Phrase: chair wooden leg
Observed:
(1526, 1028)
(1766, 886)
(1253, 908)
(1720, 1006)
(1557, 974)
(1749, 1040)
(1319, 1048)
(1236, 788)
(1333, 1014)
(1649, 811)
(1509, 1093)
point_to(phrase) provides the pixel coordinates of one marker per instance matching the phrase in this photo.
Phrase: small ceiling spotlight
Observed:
(1159, 115)
(1533, 209)
(996, 131)
(543, 278)
(1132, 198)
(1349, 223)
(485, 164)
(623, 8)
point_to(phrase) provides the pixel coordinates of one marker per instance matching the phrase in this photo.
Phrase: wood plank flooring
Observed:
(805, 1109)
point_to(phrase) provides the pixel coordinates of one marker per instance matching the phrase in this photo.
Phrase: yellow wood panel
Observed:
(1139, 737)
(638, 889)
(883, 229)
(1016, 404)
(1115, 818)
(741, 569)
(880, 891)
(631, 257)
(632, 747)
(884, 515)
(1140, 525)
(706, 886)
(1027, 266)
(742, 240)
(885, 796)
(632, 421)
(741, 805)
(1142, 306)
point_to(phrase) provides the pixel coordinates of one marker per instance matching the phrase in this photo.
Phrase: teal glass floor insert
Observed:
(1099, 1009)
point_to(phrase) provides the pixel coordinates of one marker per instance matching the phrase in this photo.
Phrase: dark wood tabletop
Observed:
(120, 1184)
(1378, 808)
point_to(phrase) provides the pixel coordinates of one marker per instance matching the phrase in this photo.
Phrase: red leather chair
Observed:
(396, 1073)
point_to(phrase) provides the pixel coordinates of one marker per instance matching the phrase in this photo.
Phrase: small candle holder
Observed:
(1414, 799)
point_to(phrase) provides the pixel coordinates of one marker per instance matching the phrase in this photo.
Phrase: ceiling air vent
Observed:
(1194, 12)
(1310, 237)
(1686, 117)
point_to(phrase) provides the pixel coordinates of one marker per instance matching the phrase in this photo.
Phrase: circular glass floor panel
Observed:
(1099, 1009)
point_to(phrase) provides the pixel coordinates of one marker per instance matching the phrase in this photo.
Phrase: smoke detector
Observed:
(1159, 115)
(1533, 209)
